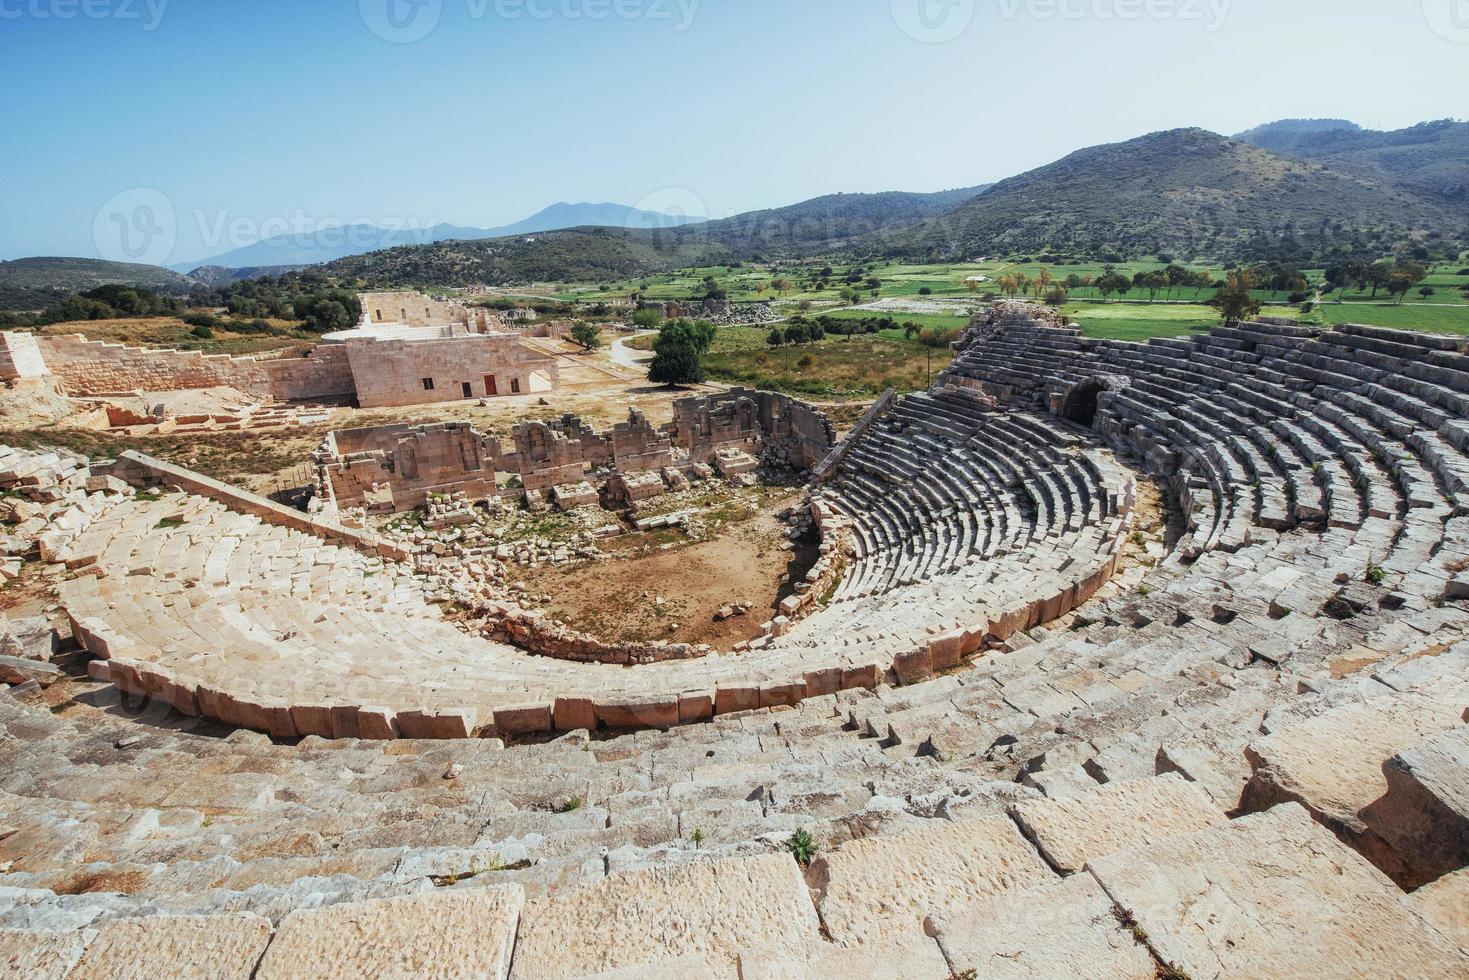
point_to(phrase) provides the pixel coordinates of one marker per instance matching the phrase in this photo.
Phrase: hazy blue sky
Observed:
(233, 114)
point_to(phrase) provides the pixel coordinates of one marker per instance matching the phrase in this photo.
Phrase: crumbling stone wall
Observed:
(751, 421)
(394, 468)
(559, 453)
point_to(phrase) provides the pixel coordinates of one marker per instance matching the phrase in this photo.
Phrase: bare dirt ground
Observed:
(618, 599)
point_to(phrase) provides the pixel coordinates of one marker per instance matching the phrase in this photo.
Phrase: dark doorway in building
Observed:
(467, 388)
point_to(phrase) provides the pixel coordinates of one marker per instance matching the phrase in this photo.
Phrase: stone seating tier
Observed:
(1113, 764)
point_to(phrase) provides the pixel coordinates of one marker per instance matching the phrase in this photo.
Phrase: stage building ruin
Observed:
(395, 468)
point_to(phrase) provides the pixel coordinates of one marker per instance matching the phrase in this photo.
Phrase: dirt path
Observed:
(625, 356)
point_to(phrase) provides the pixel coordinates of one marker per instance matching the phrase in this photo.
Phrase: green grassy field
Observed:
(1117, 321)
(1174, 312)
(838, 367)
(1409, 316)
(928, 321)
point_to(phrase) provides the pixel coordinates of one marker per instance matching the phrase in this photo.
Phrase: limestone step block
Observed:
(1064, 928)
(1272, 895)
(878, 889)
(1444, 904)
(1071, 831)
(918, 959)
(224, 946)
(1425, 814)
(683, 968)
(457, 933)
(36, 955)
(1333, 765)
(16, 670)
(708, 909)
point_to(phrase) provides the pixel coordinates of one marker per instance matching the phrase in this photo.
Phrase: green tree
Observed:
(647, 317)
(586, 336)
(676, 355)
(1236, 301)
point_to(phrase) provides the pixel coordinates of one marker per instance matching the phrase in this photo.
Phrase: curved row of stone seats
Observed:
(790, 754)
(991, 485)
(267, 628)
(1317, 453)
(962, 892)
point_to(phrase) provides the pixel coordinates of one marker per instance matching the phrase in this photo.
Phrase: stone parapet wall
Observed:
(827, 466)
(20, 357)
(88, 368)
(145, 471)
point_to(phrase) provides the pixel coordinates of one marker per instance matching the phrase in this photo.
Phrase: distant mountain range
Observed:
(1291, 190)
(341, 241)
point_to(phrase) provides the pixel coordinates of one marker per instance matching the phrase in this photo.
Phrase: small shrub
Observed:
(571, 805)
(802, 847)
(1376, 574)
(697, 837)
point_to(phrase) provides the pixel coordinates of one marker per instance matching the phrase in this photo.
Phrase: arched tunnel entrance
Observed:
(1080, 405)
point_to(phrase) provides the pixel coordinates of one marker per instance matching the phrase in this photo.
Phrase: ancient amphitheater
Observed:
(1001, 733)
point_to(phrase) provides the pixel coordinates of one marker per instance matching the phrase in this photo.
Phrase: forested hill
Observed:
(34, 284)
(1431, 158)
(1187, 192)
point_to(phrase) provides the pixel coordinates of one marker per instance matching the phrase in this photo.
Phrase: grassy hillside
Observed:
(32, 284)
(1186, 192)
